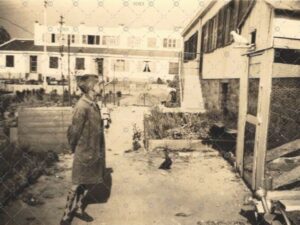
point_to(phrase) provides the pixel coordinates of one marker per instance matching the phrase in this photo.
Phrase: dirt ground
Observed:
(200, 188)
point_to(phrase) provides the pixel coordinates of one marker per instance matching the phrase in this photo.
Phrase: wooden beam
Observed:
(283, 150)
(252, 119)
(279, 151)
(291, 205)
(263, 114)
(283, 195)
(243, 105)
(287, 178)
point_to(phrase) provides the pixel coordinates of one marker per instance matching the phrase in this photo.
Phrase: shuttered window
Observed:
(227, 24)
(210, 32)
(220, 28)
(190, 47)
(215, 32)
(205, 38)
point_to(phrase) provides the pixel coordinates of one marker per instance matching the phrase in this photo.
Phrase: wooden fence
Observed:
(44, 128)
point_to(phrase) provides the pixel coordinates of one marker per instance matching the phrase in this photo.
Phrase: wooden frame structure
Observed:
(260, 120)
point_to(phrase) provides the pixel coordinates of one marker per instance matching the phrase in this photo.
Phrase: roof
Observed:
(199, 15)
(29, 46)
(292, 5)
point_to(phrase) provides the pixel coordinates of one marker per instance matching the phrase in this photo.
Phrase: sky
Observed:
(18, 16)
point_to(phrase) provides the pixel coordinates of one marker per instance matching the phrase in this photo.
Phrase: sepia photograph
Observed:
(149, 112)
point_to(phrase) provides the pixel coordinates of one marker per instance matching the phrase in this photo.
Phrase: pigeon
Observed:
(166, 164)
(239, 39)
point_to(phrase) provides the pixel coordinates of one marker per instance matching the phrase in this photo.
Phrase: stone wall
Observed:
(285, 104)
(213, 97)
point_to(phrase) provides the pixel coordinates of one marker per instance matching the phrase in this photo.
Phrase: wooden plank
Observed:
(291, 205)
(283, 195)
(287, 178)
(47, 109)
(263, 114)
(42, 112)
(243, 102)
(13, 135)
(42, 130)
(252, 119)
(279, 151)
(283, 150)
(44, 124)
(28, 120)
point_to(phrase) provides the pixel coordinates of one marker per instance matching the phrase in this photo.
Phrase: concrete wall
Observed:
(134, 69)
(122, 33)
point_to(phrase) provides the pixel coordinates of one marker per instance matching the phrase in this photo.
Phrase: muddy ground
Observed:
(199, 189)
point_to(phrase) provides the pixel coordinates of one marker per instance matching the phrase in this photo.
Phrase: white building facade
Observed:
(59, 52)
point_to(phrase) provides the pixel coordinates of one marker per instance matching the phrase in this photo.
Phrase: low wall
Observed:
(49, 88)
(176, 144)
(213, 99)
(44, 128)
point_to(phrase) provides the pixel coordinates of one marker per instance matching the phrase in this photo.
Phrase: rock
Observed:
(32, 200)
(181, 214)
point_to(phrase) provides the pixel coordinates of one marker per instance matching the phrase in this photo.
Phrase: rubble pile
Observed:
(19, 168)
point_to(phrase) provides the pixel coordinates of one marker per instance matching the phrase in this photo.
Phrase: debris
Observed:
(32, 200)
(181, 214)
(166, 165)
(137, 137)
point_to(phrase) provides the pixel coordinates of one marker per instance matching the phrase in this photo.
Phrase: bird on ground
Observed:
(166, 164)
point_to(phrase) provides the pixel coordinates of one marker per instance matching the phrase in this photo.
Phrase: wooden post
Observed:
(263, 115)
(243, 105)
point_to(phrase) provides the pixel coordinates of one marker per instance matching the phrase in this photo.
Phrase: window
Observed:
(165, 44)
(151, 42)
(174, 43)
(110, 40)
(215, 32)
(33, 64)
(169, 43)
(173, 68)
(79, 64)
(220, 28)
(119, 65)
(190, 47)
(53, 38)
(205, 38)
(93, 39)
(53, 62)
(146, 67)
(97, 40)
(83, 39)
(134, 42)
(287, 56)
(227, 19)
(71, 38)
(10, 61)
(253, 37)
